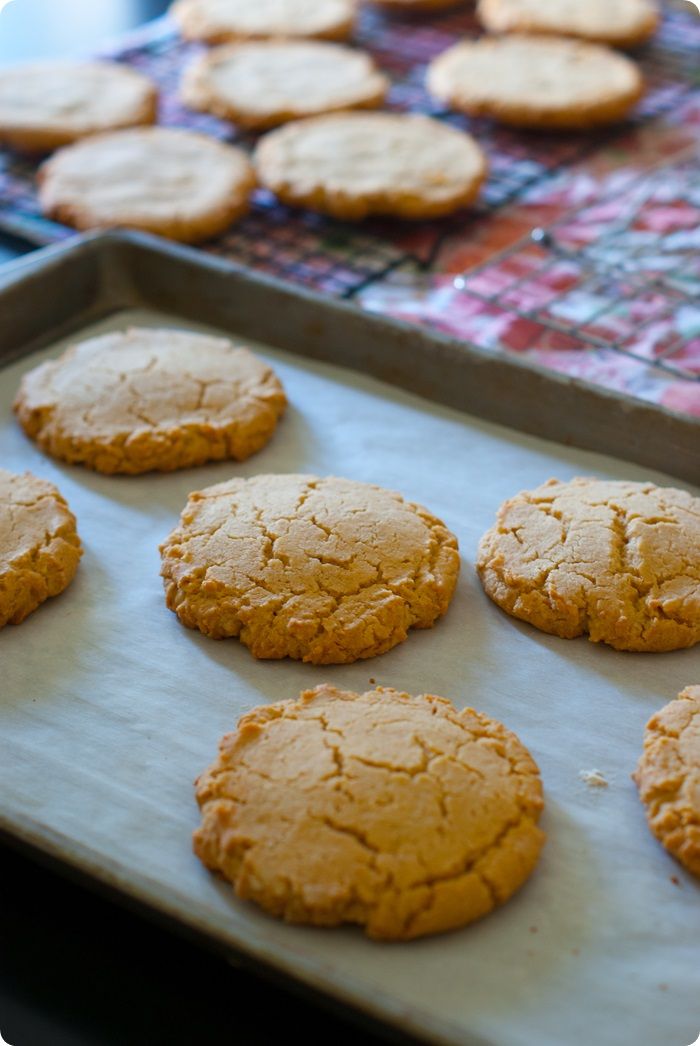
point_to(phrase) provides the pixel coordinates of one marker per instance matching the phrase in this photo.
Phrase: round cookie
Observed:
(668, 777)
(326, 571)
(398, 813)
(537, 81)
(617, 561)
(143, 399)
(220, 21)
(260, 85)
(623, 23)
(175, 183)
(39, 545)
(48, 104)
(352, 165)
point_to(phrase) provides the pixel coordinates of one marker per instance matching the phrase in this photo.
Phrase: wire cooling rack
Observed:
(581, 254)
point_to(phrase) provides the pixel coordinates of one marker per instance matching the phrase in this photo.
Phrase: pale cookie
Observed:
(623, 23)
(175, 183)
(537, 81)
(321, 570)
(352, 165)
(668, 777)
(398, 813)
(260, 85)
(617, 561)
(39, 545)
(48, 104)
(144, 399)
(219, 21)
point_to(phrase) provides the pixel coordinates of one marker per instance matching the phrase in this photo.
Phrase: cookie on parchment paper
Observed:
(351, 165)
(221, 21)
(397, 813)
(617, 561)
(39, 544)
(175, 183)
(327, 571)
(539, 82)
(668, 777)
(146, 398)
(45, 105)
(266, 83)
(622, 23)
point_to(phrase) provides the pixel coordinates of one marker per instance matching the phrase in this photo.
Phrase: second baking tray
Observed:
(109, 708)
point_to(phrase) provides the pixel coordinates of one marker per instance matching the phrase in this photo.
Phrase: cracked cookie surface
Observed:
(39, 545)
(668, 777)
(322, 570)
(536, 81)
(219, 21)
(622, 23)
(352, 165)
(175, 183)
(150, 399)
(399, 813)
(263, 84)
(45, 105)
(617, 561)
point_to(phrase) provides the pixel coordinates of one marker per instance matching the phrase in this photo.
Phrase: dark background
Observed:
(76, 969)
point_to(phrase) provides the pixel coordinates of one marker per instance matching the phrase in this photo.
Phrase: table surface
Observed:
(77, 969)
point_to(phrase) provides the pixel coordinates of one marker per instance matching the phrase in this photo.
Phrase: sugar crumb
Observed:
(593, 778)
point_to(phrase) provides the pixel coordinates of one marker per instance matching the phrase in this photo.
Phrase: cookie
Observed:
(398, 813)
(178, 184)
(537, 81)
(623, 23)
(260, 85)
(321, 570)
(668, 777)
(617, 561)
(352, 165)
(48, 104)
(220, 21)
(144, 399)
(39, 545)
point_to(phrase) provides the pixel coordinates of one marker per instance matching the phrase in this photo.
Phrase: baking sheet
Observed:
(109, 709)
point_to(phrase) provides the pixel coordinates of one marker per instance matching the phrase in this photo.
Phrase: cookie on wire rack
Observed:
(622, 23)
(45, 105)
(351, 165)
(221, 21)
(262, 84)
(397, 813)
(175, 183)
(538, 82)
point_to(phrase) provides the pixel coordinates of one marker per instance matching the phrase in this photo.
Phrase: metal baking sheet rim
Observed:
(124, 269)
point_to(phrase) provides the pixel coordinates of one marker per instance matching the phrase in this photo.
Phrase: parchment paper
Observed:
(109, 708)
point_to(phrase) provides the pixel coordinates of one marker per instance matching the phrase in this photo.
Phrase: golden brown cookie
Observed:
(617, 561)
(668, 777)
(398, 813)
(260, 85)
(537, 81)
(623, 23)
(179, 184)
(145, 398)
(39, 545)
(320, 570)
(219, 21)
(351, 165)
(48, 104)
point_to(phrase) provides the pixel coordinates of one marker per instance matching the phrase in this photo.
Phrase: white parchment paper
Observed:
(109, 708)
